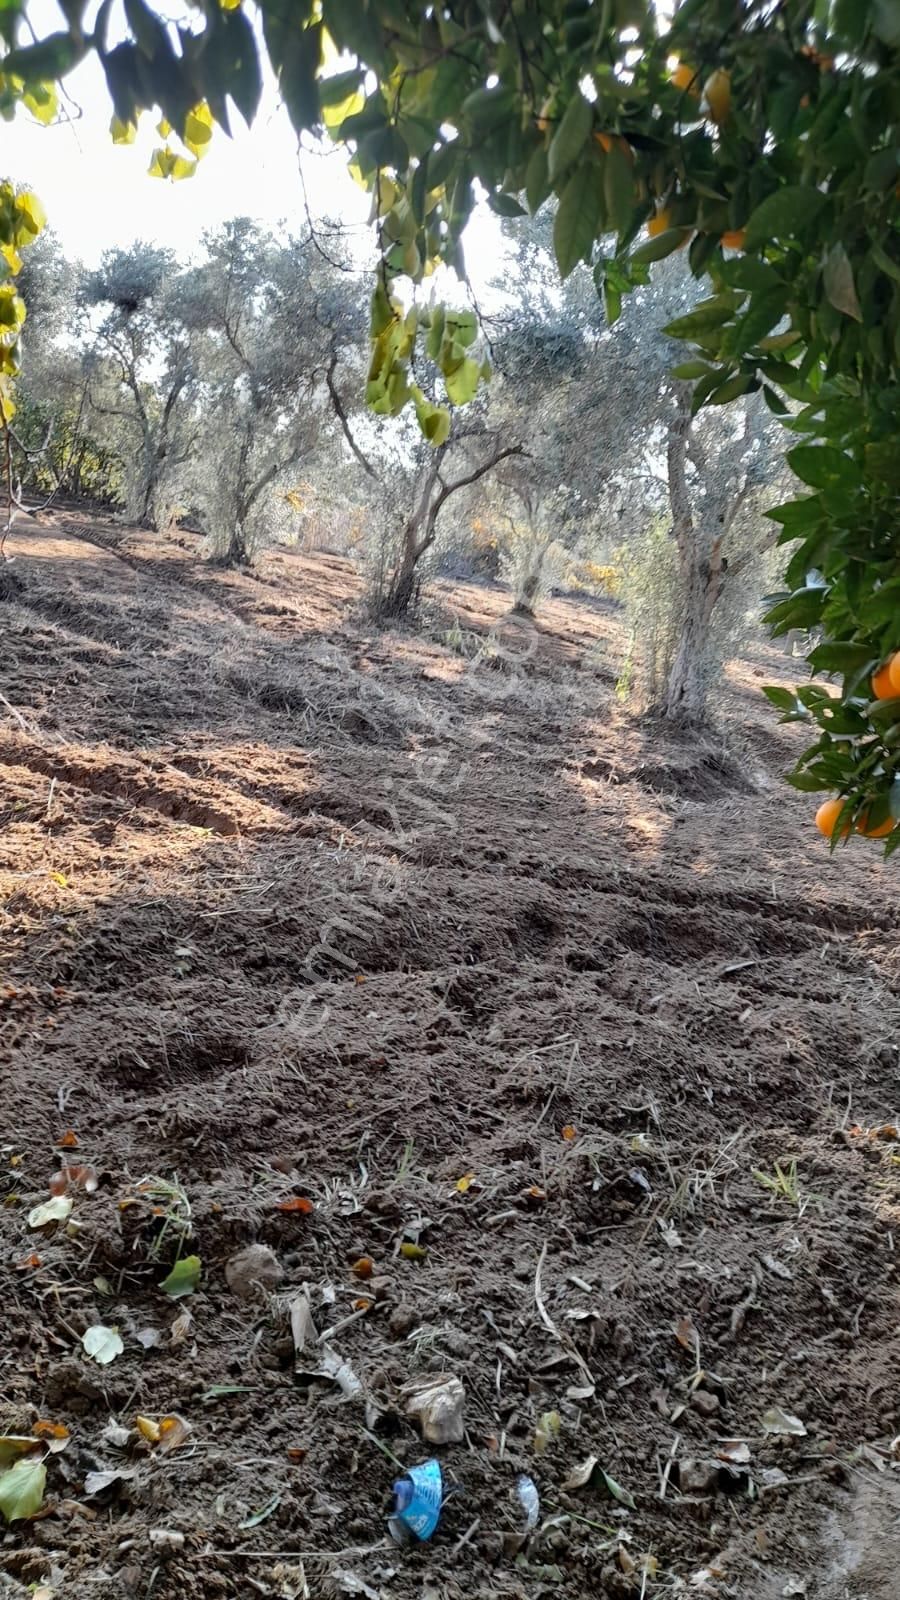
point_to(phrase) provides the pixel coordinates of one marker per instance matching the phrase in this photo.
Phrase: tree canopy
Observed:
(762, 139)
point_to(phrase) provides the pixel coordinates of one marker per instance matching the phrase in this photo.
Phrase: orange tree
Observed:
(762, 137)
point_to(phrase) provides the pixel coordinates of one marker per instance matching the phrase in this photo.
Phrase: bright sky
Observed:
(98, 195)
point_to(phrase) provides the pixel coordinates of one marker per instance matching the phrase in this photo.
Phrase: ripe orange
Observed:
(717, 94)
(886, 681)
(685, 77)
(827, 816)
(734, 239)
(660, 222)
(881, 832)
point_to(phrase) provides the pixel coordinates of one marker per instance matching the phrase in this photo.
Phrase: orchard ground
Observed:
(293, 908)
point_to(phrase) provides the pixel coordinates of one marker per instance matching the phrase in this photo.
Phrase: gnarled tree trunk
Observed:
(702, 572)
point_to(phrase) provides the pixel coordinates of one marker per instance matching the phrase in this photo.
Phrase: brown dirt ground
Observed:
(294, 908)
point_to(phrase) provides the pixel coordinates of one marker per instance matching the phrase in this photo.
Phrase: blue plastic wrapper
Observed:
(418, 1496)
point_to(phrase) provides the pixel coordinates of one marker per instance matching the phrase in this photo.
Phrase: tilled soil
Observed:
(426, 930)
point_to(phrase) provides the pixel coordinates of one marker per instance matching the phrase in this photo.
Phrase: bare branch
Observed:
(341, 414)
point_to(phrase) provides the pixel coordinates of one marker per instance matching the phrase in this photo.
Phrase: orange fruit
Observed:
(827, 816)
(734, 239)
(660, 222)
(886, 681)
(684, 77)
(717, 94)
(881, 832)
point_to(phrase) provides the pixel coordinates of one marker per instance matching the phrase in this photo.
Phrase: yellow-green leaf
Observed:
(122, 132)
(22, 1489)
(30, 212)
(198, 128)
(462, 383)
(41, 100)
(184, 1277)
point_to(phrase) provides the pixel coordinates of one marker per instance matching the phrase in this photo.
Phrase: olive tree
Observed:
(270, 322)
(141, 371)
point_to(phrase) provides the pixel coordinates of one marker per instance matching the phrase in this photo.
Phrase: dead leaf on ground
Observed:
(148, 1337)
(339, 1371)
(96, 1482)
(173, 1431)
(29, 1262)
(55, 1435)
(581, 1475)
(437, 1400)
(686, 1333)
(303, 1328)
(56, 1210)
(547, 1429)
(181, 1327)
(778, 1421)
(102, 1344)
(734, 1452)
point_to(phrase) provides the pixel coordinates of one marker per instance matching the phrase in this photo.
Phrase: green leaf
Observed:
(184, 1277)
(774, 402)
(50, 58)
(824, 467)
(571, 135)
(301, 57)
(783, 699)
(537, 179)
(618, 1493)
(578, 217)
(618, 187)
(709, 314)
(839, 285)
(14, 1445)
(22, 1489)
(691, 369)
(784, 214)
(884, 261)
(662, 245)
(506, 205)
(883, 461)
(102, 1344)
(741, 383)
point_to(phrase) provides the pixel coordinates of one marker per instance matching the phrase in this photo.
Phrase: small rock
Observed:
(253, 1272)
(403, 1318)
(437, 1401)
(698, 1477)
(707, 1404)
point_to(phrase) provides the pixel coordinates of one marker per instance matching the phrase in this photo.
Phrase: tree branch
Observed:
(341, 414)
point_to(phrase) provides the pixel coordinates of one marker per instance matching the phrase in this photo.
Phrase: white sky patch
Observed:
(98, 196)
